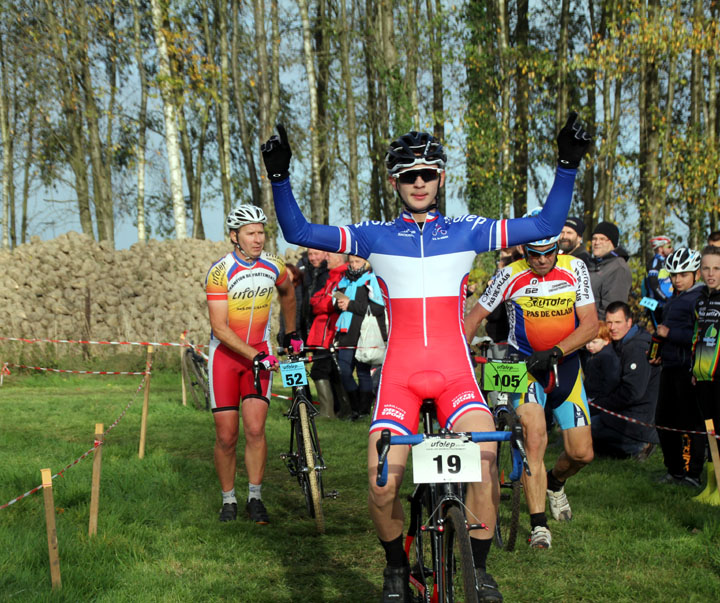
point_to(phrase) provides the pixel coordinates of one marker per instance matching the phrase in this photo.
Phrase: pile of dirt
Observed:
(73, 287)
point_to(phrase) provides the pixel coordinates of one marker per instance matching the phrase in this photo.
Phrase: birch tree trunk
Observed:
(7, 143)
(142, 124)
(169, 112)
(522, 111)
(436, 22)
(224, 108)
(561, 103)
(316, 205)
(352, 134)
(504, 77)
(245, 132)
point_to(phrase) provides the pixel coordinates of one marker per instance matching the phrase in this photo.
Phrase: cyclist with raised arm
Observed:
(422, 260)
(239, 289)
(551, 311)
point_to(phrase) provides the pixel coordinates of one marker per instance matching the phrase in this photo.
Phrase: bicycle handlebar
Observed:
(515, 437)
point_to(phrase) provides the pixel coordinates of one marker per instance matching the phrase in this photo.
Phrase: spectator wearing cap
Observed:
(657, 283)
(610, 276)
(571, 242)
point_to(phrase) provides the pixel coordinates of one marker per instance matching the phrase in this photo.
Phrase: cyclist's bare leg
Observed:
(254, 413)
(578, 452)
(386, 510)
(482, 497)
(532, 418)
(226, 436)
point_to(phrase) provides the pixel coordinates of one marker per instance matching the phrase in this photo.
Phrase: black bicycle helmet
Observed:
(412, 149)
(683, 260)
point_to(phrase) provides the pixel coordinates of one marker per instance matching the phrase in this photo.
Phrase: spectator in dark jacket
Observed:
(610, 275)
(571, 241)
(315, 275)
(602, 365)
(296, 278)
(677, 405)
(634, 397)
(357, 292)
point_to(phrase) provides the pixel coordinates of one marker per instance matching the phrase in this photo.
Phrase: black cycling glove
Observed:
(540, 362)
(276, 154)
(573, 142)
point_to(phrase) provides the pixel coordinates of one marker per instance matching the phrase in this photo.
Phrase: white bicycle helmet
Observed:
(683, 259)
(534, 212)
(245, 214)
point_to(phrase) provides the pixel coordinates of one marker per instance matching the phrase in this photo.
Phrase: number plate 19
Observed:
(440, 460)
(293, 374)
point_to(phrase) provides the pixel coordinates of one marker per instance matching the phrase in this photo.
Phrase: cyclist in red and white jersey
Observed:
(422, 260)
(239, 288)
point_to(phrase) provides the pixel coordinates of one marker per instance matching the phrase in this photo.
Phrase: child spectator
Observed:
(677, 405)
(602, 365)
(706, 345)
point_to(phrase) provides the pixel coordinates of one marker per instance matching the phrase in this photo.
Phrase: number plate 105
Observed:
(446, 460)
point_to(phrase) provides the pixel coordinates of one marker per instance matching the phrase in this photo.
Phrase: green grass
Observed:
(159, 538)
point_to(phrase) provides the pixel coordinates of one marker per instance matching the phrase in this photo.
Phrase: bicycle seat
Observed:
(427, 384)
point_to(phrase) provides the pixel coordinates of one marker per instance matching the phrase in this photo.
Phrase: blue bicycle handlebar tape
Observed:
(476, 436)
(517, 465)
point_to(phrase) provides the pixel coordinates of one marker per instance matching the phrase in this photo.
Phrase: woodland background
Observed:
(154, 111)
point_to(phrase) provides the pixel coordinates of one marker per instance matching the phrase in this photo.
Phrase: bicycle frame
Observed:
(304, 459)
(438, 499)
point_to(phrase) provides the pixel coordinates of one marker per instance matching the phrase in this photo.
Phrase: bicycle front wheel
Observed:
(196, 379)
(311, 479)
(506, 527)
(458, 570)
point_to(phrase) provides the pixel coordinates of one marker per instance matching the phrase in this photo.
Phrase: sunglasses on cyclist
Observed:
(534, 253)
(427, 174)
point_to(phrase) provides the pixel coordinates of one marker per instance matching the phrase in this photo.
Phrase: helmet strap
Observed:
(245, 253)
(240, 249)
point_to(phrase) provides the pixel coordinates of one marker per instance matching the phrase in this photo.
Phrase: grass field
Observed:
(159, 538)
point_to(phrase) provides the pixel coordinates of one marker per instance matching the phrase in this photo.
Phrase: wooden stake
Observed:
(710, 428)
(51, 530)
(143, 423)
(183, 371)
(95, 491)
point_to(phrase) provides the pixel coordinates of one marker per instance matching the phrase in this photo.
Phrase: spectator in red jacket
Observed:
(322, 332)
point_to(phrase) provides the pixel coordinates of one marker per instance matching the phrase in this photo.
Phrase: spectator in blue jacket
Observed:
(677, 405)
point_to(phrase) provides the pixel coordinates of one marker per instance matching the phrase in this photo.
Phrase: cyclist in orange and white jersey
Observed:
(239, 289)
(551, 311)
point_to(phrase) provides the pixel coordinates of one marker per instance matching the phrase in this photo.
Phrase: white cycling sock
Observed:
(255, 491)
(229, 496)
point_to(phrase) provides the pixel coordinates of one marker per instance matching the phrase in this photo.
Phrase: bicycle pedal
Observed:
(332, 494)
(421, 573)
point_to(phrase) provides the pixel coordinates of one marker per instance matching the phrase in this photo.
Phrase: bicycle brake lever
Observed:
(383, 447)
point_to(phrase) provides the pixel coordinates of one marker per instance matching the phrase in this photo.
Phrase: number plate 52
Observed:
(293, 374)
(446, 460)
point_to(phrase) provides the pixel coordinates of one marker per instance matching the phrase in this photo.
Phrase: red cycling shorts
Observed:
(231, 377)
(409, 378)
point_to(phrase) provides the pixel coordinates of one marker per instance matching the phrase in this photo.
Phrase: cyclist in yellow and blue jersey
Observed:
(551, 311)
(239, 288)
